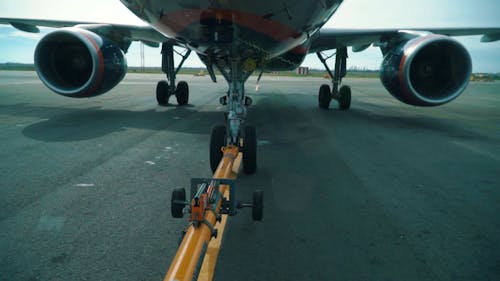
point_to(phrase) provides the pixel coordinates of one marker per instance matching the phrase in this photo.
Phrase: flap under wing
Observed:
(332, 38)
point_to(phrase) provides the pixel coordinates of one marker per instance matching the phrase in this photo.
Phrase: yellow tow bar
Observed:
(210, 199)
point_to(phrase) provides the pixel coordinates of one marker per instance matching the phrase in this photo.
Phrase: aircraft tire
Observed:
(258, 205)
(162, 92)
(250, 150)
(182, 93)
(324, 96)
(344, 97)
(217, 141)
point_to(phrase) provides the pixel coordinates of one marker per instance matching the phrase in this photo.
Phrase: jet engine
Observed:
(426, 71)
(78, 63)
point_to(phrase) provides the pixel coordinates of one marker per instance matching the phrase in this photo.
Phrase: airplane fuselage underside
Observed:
(272, 34)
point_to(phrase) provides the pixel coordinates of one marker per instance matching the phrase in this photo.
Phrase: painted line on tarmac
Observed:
(477, 150)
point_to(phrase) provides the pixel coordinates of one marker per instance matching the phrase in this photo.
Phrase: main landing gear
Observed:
(166, 88)
(342, 95)
(234, 132)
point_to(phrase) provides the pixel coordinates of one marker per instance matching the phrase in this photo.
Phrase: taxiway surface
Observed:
(384, 191)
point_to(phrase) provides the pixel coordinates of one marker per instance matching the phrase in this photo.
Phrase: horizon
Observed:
(18, 47)
(203, 67)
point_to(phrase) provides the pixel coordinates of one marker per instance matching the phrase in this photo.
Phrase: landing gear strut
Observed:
(166, 88)
(342, 95)
(234, 132)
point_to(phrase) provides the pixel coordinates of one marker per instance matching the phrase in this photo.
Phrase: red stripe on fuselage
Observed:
(178, 21)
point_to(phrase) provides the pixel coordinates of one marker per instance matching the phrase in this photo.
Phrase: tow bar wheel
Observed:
(177, 203)
(257, 205)
(250, 150)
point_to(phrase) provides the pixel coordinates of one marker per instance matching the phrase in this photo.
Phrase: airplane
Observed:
(421, 67)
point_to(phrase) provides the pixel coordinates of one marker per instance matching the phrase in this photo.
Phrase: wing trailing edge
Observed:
(332, 38)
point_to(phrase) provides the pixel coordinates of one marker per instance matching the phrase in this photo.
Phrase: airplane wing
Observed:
(325, 39)
(360, 39)
(119, 33)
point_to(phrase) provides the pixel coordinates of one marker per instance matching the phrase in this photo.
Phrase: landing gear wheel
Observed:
(344, 97)
(182, 93)
(162, 94)
(257, 205)
(250, 150)
(217, 141)
(324, 96)
(177, 202)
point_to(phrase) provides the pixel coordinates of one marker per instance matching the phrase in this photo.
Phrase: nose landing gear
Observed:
(247, 145)
(235, 132)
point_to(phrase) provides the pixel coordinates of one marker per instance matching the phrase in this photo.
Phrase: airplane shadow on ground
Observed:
(70, 124)
(418, 122)
(85, 124)
(394, 118)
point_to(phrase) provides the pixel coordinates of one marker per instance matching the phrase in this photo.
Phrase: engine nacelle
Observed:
(426, 71)
(78, 63)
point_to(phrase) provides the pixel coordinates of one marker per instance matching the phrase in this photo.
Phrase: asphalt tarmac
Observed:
(384, 191)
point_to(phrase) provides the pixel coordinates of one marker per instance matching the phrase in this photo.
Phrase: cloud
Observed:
(26, 35)
(11, 32)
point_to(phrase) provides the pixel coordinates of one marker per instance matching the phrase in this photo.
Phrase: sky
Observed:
(18, 46)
